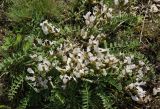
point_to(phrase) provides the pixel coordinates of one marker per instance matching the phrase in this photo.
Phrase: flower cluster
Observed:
(81, 60)
(130, 66)
(141, 94)
(88, 58)
(43, 66)
(38, 83)
(89, 19)
(100, 12)
(154, 8)
(48, 28)
(139, 70)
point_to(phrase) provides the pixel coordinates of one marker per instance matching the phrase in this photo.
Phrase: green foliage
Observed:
(37, 9)
(24, 102)
(4, 107)
(16, 84)
(15, 43)
(10, 61)
(86, 97)
(114, 83)
(124, 46)
(57, 97)
(7, 43)
(106, 101)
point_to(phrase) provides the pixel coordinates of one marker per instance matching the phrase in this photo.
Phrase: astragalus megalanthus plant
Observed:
(88, 58)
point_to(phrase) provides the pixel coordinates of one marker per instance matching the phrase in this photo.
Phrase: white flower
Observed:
(104, 72)
(46, 68)
(51, 52)
(98, 64)
(84, 34)
(131, 86)
(43, 83)
(29, 70)
(104, 9)
(33, 56)
(67, 67)
(69, 61)
(43, 44)
(71, 55)
(50, 78)
(95, 10)
(109, 15)
(128, 60)
(39, 41)
(46, 62)
(81, 71)
(65, 78)
(106, 60)
(110, 9)
(48, 28)
(76, 74)
(140, 74)
(51, 42)
(112, 58)
(141, 63)
(154, 8)
(46, 40)
(54, 63)
(80, 60)
(55, 30)
(40, 58)
(76, 50)
(125, 2)
(142, 83)
(87, 16)
(141, 92)
(64, 58)
(90, 54)
(135, 98)
(100, 56)
(116, 2)
(156, 90)
(80, 55)
(92, 58)
(40, 67)
(147, 68)
(129, 68)
(89, 19)
(96, 48)
(30, 78)
(44, 27)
